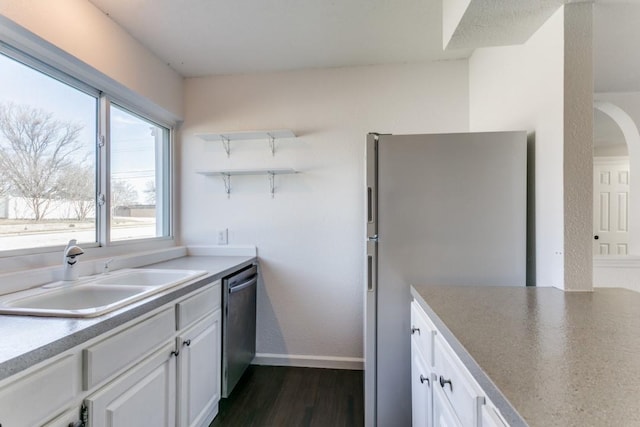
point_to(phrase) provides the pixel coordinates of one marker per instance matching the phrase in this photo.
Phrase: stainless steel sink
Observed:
(96, 295)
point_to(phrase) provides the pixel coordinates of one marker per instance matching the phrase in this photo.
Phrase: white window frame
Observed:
(24, 46)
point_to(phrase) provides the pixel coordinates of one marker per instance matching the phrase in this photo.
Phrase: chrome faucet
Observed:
(69, 260)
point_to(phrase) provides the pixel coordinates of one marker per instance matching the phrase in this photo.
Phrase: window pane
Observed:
(139, 162)
(47, 160)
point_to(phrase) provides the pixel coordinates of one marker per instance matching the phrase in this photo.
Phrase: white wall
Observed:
(80, 29)
(617, 272)
(528, 87)
(310, 237)
(520, 87)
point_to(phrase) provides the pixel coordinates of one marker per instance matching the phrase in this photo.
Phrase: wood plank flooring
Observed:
(272, 396)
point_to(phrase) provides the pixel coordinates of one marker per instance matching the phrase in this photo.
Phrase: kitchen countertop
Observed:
(27, 340)
(559, 358)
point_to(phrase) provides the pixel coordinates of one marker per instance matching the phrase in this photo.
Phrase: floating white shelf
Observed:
(227, 137)
(227, 174)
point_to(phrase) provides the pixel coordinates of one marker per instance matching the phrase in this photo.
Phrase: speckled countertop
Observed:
(559, 359)
(27, 340)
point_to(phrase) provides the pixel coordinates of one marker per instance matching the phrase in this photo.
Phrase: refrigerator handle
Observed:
(369, 204)
(372, 264)
(370, 273)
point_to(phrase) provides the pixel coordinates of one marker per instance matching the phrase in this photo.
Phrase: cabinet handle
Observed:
(414, 330)
(423, 379)
(175, 353)
(443, 382)
(186, 342)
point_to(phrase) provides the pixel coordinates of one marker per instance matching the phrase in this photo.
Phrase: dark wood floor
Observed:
(282, 396)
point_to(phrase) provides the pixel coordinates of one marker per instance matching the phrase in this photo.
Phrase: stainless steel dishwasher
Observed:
(238, 325)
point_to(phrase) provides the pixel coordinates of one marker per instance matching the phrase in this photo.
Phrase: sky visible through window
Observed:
(67, 214)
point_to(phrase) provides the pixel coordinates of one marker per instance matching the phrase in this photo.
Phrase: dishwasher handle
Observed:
(244, 285)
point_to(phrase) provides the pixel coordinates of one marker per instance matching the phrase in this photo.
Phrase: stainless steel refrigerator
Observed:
(445, 209)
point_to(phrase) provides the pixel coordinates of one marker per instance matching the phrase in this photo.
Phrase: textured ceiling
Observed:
(203, 37)
(500, 22)
(616, 58)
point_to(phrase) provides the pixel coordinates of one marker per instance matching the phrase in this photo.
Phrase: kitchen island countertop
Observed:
(543, 356)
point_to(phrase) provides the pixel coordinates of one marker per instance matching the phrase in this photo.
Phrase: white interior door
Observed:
(610, 206)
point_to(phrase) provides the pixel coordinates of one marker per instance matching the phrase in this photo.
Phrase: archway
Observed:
(632, 137)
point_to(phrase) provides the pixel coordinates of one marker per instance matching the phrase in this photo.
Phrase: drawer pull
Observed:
(414, 330)
(174, 353)
(443, 382)
(423, 379)
(186, 342)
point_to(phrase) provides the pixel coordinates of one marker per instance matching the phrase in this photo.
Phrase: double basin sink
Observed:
(95, 295)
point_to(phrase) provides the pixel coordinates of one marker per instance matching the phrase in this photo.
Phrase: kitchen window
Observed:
(75, 164)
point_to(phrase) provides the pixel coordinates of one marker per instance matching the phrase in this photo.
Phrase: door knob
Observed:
(596, 237)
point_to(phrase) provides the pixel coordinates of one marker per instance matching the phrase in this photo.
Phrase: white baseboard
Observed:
(307, 361)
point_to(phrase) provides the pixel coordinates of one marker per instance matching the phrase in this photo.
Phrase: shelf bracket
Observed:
(272, 144)
(227, 184)
(226, 143)
(272, 184)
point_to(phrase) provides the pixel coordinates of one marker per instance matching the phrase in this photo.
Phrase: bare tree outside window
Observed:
(35, 150)
(78, 189)
(5, 185)
(150, 192)
(122, 194)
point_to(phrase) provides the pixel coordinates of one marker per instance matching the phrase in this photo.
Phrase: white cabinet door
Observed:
(421, 385)
(443, 414)
(143, 396)
(490, 417)
(199, 368)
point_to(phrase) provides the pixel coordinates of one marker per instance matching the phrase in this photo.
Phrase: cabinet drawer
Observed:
(199, 305)
(457, 384)
(113, 354)
(35, 397)
(422, 331)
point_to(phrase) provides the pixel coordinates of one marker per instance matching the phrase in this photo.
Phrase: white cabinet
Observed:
(160, 370)
(117, 352)
(490, 417)
(199, 372)
(53, 385)
(421, 385)
(454, 398)
(443, 414)
(64, 420)
(422, 375)
(457, 385)
(178, 384)
(144, 396)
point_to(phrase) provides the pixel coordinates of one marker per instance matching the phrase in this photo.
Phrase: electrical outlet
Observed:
(223, 236)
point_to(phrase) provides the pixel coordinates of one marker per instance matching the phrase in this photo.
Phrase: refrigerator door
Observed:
(451, 210)
(371, 264)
